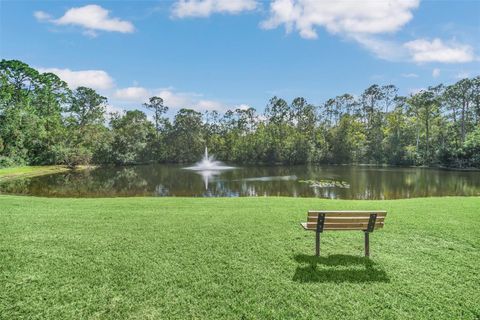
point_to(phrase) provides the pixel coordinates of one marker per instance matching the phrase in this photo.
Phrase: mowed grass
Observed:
(235, 258)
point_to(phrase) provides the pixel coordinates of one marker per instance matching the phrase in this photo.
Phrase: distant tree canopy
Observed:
(42, 121)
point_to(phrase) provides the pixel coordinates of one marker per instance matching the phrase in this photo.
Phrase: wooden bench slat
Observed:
(338, 229)
(340, 225)
(347, 211)
(348, 214)
(342, 229)
(329, 219)
(343, 223)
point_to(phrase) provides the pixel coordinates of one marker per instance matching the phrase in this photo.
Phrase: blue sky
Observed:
(218, 54)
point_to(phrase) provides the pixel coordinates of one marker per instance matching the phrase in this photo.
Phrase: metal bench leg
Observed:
(367, 244)
(320, 223)
(370, 228)
(317, 242)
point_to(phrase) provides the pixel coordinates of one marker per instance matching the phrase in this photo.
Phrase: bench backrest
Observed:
(346, 220)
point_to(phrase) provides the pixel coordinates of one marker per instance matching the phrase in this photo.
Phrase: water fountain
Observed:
(208, 167)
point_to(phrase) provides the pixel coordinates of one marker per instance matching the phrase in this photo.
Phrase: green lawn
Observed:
(235, 258)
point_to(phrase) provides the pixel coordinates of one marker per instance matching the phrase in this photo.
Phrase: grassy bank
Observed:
(33, 171)
(234, 258)
(29, 171)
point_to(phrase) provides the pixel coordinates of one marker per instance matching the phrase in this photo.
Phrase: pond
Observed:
(335, 182)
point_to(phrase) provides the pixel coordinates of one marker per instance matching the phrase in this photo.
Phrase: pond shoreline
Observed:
(318, 181)
(32, 171)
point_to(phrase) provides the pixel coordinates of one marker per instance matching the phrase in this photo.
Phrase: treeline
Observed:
(42, 121)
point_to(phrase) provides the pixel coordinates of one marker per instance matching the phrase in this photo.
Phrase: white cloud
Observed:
(384, 49)
(366, 22)
(340, 17)
(463, 75)
(204, 8)
(210, 105)
(409, 75)
(42, 16)
(361, 21)
(172, 98)
(242, 107)
(423, 50)
(436, 73)
(414, 91)
(95, 79)
(90, 17)
(136, 94)
(175, 99)
(113, 109)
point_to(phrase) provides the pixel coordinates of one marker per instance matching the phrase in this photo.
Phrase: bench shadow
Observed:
(338, 268)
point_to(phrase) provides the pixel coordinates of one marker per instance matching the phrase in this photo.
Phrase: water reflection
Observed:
(207, 175)
(276, 178)
(297, 181)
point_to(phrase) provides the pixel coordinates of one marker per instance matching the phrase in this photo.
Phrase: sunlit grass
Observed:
(7, 173)
(32, 171)
(25, 169)
(235, 258)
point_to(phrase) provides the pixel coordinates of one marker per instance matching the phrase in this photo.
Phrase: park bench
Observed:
(366, 221)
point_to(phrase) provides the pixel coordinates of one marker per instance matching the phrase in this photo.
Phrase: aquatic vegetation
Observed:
(326, 183)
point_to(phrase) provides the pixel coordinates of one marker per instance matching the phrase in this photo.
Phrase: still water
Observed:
(336, 182)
